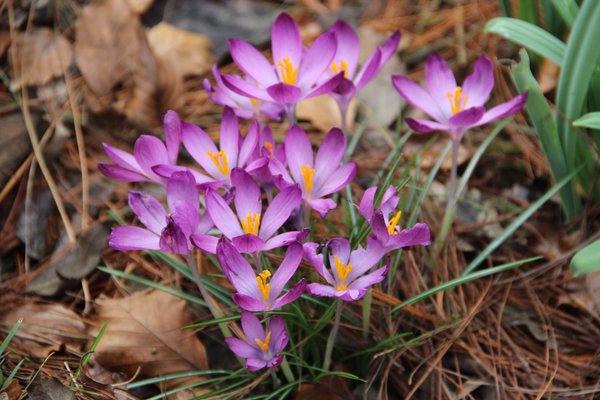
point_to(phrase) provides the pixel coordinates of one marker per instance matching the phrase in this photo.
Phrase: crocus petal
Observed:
(149, 151)
(310, 252)
(255, 166)
(205, 223)
(255, 364)
(252, 62)
(133, 238)
(363, 259)
(379, 227)
(249, 144)
(121, 158)
(285, 93)
(348, 46)
(298, 152)
(248, 303)
(504, 110)
(290, 296)
(343, 93)
(206, 243)
(287, 269)
(173, 239)
(329, 156)
(440, 82)
(281, 177)
(318, 289)
(172, 126)
(181, 189)
(198, 144)
(118, 173)
(244, 88)
(368, 70)
(477, 87)
(241, 348)
(284, 239)
(279, 337)
(248, 243)
(337, 180)
(149, 210)
(466, 118)
(389, 47)
(417, 235)
(252, 327)
(286, 41)
(317, 59)
(322, 206)
(424, 126)
(369, 280)
(352, 294)
(247, 197)
(230, 136)
(340, 247)
(417, 97)
(389, 201)
(237, 269)
(367, 203)
(222, 215)
(326, 87)
(279, 210)
(167, 170)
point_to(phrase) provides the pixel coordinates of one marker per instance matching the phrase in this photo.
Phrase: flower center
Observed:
(393, 223)
(251, 223)
(264, 346)
(263, 286)
(254, 101)
(220, 161)
(269, 146)
(288, 72)
(456, 105)
(343, 67)
(307, 174)
(342, 272)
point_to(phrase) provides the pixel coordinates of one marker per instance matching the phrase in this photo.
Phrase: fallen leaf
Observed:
(49, 389)
(140, 6)
(46, 328)
(4, 41)
(144, 331)
(179, 54)
(15, 145)
(39, 56)
(323, 113)
(548, 75)
(431, 155)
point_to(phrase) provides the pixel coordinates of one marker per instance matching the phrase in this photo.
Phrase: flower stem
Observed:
(305, 216)
(287, 371)
(332, 335)
(214, 309)
(291, 113)
(451, 202)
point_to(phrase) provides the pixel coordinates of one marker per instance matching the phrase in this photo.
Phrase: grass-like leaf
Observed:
(586, 260)
(567, 9)
(590, 120)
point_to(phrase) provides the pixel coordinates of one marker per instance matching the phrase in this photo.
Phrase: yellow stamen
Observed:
(251, 223)
(220, 160)
(455, 100)
(254, 101)
(288, 72)
(264, 346)
(307, 173)
(393, 223)
(269, 146)
(343, 67)
(263, 286)
(342, 272)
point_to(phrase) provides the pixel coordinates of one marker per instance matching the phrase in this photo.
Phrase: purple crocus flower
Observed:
(386, 229)
(262, 292)
(348, 279)
(454, 108)
(166, 231)
(294, 73)
(218, 163)
(346, 60)
(244, 107)
(267, 148)
(262, 347)
(248, 229)
(318, 177)
(148, 151)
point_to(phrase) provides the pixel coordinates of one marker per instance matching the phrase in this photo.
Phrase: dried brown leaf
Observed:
(39, 56)
(144, 331)
(179, 54)
(4, 41)
(324, 114)
(140, 6)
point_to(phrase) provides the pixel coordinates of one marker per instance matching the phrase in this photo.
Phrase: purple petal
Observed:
(166, 171)
(119, 173)
(252, 327)
(279, 210)
(340, 247)
(257, 165)
(244, 88)
(504, 110)
(133, 238)
(121, 158)
(329, 156)
(298, 152)
(249, 144)
(389, 47)
(279, 336)
(367, 203)
(477, 87)
(205, 243)
(149, 210)
(173, 239)
(424, 126)
(277, 169)
(364, 259)
(325, 87)
(440, 82)
(255, 364)
(241, 348)
(249, 303)
(172, 126)
(149, 151)
(290, 296)
(310, 253)
(205, 223)
(389, 201)
(222, 215)
(317, 59)
(181, 188)
(348, 46)
(248, 243)
(247, 198)
(417, 97)
(379, 227)
(198, 144)
(337, 180)
(285, 93)
(368, 280)
(237, 269)
(322, 206)
(283, 239)
(286, 41)
(318, 289)
(252, 62)
(369, 70)
(352, 294)
(230, 136)
(287, 269)
(417, 235)
(466, 118)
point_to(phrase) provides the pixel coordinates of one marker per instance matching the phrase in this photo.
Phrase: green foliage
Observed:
(587, 259)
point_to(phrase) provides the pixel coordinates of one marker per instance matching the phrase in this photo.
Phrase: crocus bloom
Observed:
(262, 292)
(267, 148)
(294, 73)
(346, 60)
(249, 230)
(386, 229)
(244, 107)
(218, 163)
(348, 279)
(318, 177)
(166, 231)
(148, 151)
(454, 108)
(262, 347)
